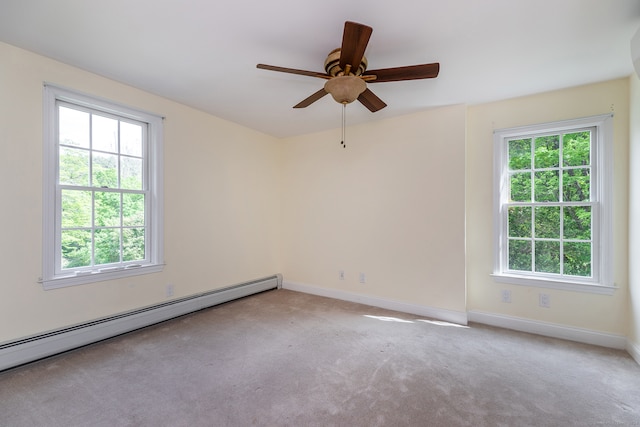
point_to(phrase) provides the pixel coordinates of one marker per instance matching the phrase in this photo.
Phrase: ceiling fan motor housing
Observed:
(332, 64)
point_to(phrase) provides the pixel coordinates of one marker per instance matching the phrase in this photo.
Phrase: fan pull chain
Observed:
(344, 125)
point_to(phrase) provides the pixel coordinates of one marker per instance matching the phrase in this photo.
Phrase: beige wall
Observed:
(222, 202)
(390, 205)
(573, 309)
(634, 218)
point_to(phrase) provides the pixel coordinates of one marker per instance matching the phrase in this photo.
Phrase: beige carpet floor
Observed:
(283, 358)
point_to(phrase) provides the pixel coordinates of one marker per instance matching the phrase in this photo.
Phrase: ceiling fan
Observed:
(347, 75)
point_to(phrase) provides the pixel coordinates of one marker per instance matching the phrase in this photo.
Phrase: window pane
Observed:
(76, 208)
(577, 222)
(107, 209)
(520, 154)
(576, 149)
(107, 245)
(131, 169)
(548, 257)
(74, 167)
(76, 248)
(132, 209)
(576, 185)
(547, 154)
(546, 186)
(519, 221)
(130, 139)
(105, 170)
(104, 133)
(520, 255)
(577, 259)
(520, 187)
(73, 127)
(547, 222)
(133, 244)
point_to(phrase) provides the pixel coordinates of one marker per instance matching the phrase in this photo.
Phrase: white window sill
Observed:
(98, 276)
(564, 285)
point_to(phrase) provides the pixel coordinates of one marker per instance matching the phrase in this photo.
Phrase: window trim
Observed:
(154, 162)
(602, 184)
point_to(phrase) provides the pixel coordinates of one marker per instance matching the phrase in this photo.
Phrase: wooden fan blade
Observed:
(411, 72)
(311, 99)
(293, 71)
(371, 101)
(354, 42)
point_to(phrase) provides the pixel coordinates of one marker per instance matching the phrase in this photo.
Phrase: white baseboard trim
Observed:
(553, 330)
(452, 316)
(634, 350)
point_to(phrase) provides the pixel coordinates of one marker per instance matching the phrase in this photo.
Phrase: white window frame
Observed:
(52, 276)
(601, 281)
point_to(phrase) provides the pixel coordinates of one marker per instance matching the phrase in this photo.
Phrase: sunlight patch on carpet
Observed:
(388, 319)
(441, 323)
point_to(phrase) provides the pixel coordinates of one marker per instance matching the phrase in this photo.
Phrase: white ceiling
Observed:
(203, 53)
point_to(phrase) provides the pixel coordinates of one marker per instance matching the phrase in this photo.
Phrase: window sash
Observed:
(93, 227)
(560, 239)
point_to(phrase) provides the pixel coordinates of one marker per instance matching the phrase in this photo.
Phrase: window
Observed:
(552, 205)
(102, 190)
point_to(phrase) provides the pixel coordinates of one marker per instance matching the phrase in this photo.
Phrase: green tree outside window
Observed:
(549, 230)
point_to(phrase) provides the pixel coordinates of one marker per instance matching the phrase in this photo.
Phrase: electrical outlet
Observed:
(341, 274)
(363, 278)
(169, 290)
(545, 300)
(506, 295)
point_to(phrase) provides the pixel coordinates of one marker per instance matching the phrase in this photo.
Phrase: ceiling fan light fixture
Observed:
(345, 89)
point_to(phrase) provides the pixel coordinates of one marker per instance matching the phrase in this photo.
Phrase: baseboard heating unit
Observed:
(36, 347)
